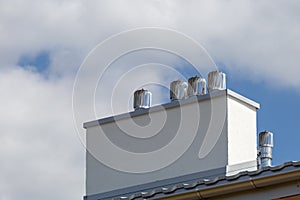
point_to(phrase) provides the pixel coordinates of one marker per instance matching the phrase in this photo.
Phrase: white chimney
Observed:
(207, 135)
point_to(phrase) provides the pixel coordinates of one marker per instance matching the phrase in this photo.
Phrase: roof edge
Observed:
(172, 104)
(238, 186)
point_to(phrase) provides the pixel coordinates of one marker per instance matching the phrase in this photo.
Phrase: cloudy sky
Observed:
(43, 44)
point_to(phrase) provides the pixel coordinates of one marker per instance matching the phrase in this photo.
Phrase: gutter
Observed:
(237, 186)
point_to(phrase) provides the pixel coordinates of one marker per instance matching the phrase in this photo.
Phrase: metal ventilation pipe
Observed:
(197, 86)
(178, 90)
(265, 148)
(142, 99)
(216, 81)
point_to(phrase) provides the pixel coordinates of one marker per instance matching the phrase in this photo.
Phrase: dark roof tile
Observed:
(209, 182)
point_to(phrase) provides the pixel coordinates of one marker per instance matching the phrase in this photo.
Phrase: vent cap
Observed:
(265, 147)
(178, 90)
(216, 81)
(197, 86)
(142, 99)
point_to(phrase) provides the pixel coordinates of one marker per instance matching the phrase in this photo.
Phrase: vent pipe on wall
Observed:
(178, 90)
(197, 86)
(265, 148)
(216, 81)
(142, 99)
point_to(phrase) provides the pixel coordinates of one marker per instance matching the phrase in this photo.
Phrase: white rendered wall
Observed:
(242, 131)
(226, 137)
(101, 178)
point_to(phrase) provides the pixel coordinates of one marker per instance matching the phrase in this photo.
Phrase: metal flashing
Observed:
(243, 99)
(232, 169)
(172, 104)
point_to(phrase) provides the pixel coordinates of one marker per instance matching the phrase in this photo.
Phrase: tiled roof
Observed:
(207, 183)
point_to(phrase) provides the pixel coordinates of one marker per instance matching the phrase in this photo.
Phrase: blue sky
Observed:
(279, 113)
(255, 43)
(40, 61)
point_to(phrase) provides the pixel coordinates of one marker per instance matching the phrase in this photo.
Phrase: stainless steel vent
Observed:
(265, 148)
(178, 90)
(197, 86)
(142, 99)
(216, 81)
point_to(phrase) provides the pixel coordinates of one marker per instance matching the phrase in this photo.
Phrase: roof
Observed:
(291, 171)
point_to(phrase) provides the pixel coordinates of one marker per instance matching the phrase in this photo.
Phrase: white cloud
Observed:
(259, 39)
(43, 158)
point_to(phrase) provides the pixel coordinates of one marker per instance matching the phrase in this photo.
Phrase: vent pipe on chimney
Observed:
(178, 90)
(265, 148)
(142, 99)
(197, 86)
(216, 81)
